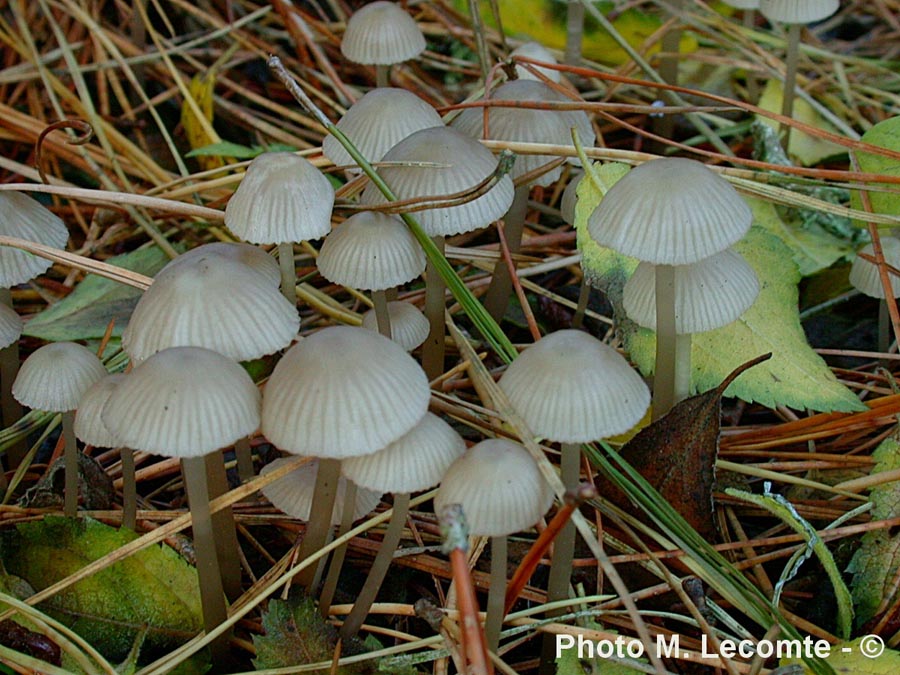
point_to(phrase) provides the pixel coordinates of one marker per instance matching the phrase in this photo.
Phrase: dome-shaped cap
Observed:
(213, 302)
(25, 218)
(409, 327)
(55, 376)
(371, 251)
(183, 402)
(283, 198)
(798, 11)
(463, 163)
(709, 293)
(381, 33)
(570, 198)
(293, 493)
(528, 125)
(89, 425)
(246, 254)
(571, 387)
(10, 326)
(499, 486)
(536, 51)
(341, 392)
(864, 275)
(415, 461)
(670, 212)
(378, 121)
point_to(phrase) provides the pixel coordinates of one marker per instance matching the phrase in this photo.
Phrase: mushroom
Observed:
(865, 277)
(409, 327)
(538, 52)
(245, 254)
(381, 33)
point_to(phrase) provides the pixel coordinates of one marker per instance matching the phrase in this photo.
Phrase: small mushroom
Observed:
(381, 33)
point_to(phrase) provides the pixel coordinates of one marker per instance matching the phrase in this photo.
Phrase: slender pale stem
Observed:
(497, 298)
(574, 32)
(10, 407)
(212, 595)
(584, 296)
(382, 76)
(664, 376)
(790, 80)
(433, 351)
(244, 457)
(338, 555)
(682, 367)
(70, 453)
(319, 524)
(129, 489)
(379, 568)
(227, 546)
(288, 273)
(496, 594)
(382, 316)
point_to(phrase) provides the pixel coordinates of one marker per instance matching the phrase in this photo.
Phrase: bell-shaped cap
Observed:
(283, 198)
(10, 326)
(293, 493)
(864, 275)
(538, 52)
(415, 461)
(409, 327)
(570, 198)
(246, 254)
(572, 388)
(798, 11)
(213, 302)
(709, 293)
(378, 121)
(89, 425)
(371, 251)
(55, 377)
(499, 486)
(670, 211)
(183, 402)
(381, 33)
(341, 392)
(24, 218)
(461, 163)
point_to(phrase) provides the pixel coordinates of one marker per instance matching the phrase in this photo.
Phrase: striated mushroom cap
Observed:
(798, 11)
(409, 327)
(246, 254)
(10, 326)
(24, 218)
(89, 425)
(381, 33)
(864, 275)
(55, 377)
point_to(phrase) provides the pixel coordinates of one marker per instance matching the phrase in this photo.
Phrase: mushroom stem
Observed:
(664, 376)
(574, 32)
(382, 76)
(70, 506)
(378, 570)
(682, 367)
(10, 407)
(288, 273)
(564, 546)
(129, 489)
(244, 457)
(790, 80)
(337, 556)
(226, 540)
(382, 316)
(497, 298)
(212, 595)
(584, 296)
(319, 524)
(752, 82)
(433, 351)
(497, 594)
(884, 327)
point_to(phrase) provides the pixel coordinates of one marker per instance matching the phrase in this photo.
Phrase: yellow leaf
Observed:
(198, 133)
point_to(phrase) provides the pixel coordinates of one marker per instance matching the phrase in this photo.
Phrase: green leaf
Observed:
(153, 589)
(238, 151)
(87, 310)
(295, 634)
(795, 376)
(886, 135)
(855, 662)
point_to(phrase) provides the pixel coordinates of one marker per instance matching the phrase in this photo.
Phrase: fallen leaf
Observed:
(854, 661)
(886, 135)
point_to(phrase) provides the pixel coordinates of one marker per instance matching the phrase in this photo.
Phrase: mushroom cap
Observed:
(25, 218)
(381, 33)
(670, 211)
(743, 4)
(371, 251)
(55, 377)
(864, 275)
(409, 327)
(528, 125)
(246, 254)
(570, 198)
(462, 164)
(499, 486)
(709, 293)
(293, 494)
(415, 461)
(10, 326)
(89, 425)
(283, 198)
(341, 392)
(183, 402)
(213, 302)
(798, 11)
(378, 121)
(538, 52)
(573, 388)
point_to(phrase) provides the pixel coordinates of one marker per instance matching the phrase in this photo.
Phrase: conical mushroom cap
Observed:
(572, 388)
(462, 164)
(378, 121)
(89, 425)
(570, 198)
(670, 212)
(798, 11)
(283, 198)
(381, 33)
(183, 402)
(538, 52)
(709, 293)
(55, 376)
(864, 275)
(371, 251)
(415, 461)
(10, 326)
(499, 486)
(25, 218)
(341, 392)
(211, 302)
(246, 254)
(409, 327)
